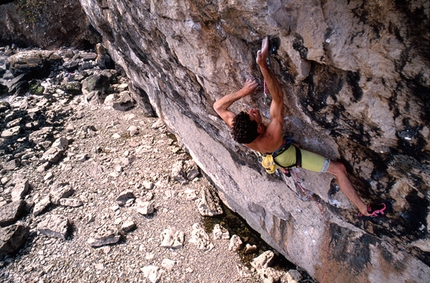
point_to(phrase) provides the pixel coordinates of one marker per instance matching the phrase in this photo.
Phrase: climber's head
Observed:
(245, 126)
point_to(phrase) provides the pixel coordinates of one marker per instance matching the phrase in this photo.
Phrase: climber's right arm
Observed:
(221, 105)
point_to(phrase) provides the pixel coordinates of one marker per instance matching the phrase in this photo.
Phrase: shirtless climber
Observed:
(248, 128)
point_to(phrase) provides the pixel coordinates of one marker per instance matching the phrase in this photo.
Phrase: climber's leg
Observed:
(339, 171)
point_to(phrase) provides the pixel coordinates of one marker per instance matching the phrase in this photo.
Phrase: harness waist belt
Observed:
(283, 148)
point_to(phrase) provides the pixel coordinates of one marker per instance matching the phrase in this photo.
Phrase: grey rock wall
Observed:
(356, 81)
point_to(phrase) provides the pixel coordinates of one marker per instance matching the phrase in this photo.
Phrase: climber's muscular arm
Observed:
(275, 90)
(221, 105)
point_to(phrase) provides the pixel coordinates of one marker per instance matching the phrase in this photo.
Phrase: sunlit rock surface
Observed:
(356, 81)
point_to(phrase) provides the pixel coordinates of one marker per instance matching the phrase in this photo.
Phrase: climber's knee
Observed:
(337, 168)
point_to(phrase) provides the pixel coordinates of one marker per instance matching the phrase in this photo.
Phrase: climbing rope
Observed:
(265, 93)
(326, 223)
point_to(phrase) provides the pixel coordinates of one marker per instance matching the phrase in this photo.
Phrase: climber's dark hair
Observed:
(244, 130)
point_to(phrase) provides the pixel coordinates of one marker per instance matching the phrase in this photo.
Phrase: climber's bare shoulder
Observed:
(269, 141)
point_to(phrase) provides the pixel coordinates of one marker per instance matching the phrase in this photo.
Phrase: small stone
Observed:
(43, 167)
(144, 207)
(249, 249)
(148, 185)
(151, 273)
(293, 276)
(270, 274)
(106, 249)
(48, 176)
(170, 238)
(190, 194)
(4, 180)
(114, 174)
(56, 151)
(125, 161)
(133, 131)
(189, 270)
(118, 168)
(70, 202)
(168, 264)
(200, 238)
(11, 165)
(128, 226)
(192, 170)
(12, 238)
(52, 155)
(59, 191)
(54, 226)
(124, 197)
(11, 132)
(116, 136)
(122, 87)
(82, 157)
(158, 124)
(235, 243)
(208, 204)
(9, 213)
(61, 143)
(20, 190)
(220, 233)
(129, 202)
(148, 196)
(263, 260)
(41, 205)
(177, 172)
(104, 240)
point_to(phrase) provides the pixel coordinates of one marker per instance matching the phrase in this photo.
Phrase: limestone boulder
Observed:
(356, 83)
(34, 62)
(97, 86)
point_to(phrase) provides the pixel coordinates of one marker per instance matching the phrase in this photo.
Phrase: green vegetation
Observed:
(30, 10)
(35, 87)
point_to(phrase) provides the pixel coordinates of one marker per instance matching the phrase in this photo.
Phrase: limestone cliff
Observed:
(356, 81)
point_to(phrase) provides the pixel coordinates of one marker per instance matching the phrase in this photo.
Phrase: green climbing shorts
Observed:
(310, 161)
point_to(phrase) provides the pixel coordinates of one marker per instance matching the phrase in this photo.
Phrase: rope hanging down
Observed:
(326, 223)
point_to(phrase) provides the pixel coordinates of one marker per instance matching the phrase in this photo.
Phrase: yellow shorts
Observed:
(310, 161)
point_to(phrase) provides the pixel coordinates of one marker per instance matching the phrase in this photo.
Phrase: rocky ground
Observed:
(93, 190)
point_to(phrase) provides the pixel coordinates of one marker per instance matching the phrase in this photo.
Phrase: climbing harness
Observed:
(269, 163)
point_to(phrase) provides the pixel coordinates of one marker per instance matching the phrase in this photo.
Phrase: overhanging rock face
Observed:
(356, 83)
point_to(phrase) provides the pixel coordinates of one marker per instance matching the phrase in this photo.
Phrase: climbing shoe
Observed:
(376, 209)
